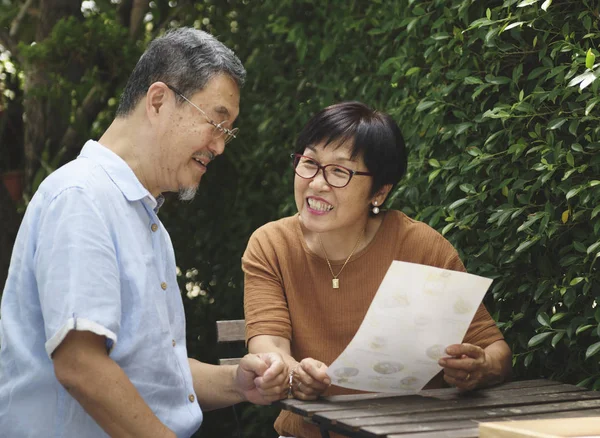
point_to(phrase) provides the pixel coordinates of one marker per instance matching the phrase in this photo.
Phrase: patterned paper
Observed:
(418, 311)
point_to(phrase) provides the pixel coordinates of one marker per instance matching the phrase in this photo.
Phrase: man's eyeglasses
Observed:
(335, 175)
(219, 130)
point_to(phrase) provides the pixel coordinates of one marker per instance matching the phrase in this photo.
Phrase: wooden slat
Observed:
(231, 331)
(443, 427)
(399, 429)
(482, 414)
(442, 392)
(418, 403)
(472, 432)
(288, 404)
(432, 405)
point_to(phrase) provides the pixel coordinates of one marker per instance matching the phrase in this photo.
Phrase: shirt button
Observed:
(191, 398)
(154, 227)
(174, 343)
(163, 285)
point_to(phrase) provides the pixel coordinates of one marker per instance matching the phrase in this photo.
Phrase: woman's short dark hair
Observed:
(375, 137)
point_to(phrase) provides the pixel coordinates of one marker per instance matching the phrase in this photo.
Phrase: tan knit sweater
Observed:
(288, 292)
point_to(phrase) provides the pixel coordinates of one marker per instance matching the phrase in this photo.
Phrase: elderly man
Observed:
(93, 328)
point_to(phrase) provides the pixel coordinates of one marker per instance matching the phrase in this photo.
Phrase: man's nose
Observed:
(218, 145)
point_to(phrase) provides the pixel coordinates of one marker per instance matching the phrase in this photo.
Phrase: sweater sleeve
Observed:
(482, 330)
(265, 306)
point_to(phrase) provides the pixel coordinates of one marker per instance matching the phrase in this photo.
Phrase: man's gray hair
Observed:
(184, 58)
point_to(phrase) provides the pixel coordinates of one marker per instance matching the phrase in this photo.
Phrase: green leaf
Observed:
(589, 59)
(532, 219)
(434, 163)
(425, 104)
(557, 317)
(573, 192)
(590, 106)
(593, 247)
(326, 51)
(556, 338)
(583, 328)
(546, 5)
(543, 319)
(433, 174)
(528, 360)
(472, 80)
(515, 24)
(595, 212)
(570, 159)
(448, 228)
(524, 245)
(467, 188)
(457, 203)
(576, 281)
(526, 3)
(585, 382)
(579, 246)
(556, 123)
(592, 350)
(538, 339)
(413, 70)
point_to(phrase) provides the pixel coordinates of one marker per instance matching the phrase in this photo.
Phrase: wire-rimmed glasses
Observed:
(335, 175)
(219, 130)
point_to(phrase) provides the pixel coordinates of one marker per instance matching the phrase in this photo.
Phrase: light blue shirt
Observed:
(91, 254)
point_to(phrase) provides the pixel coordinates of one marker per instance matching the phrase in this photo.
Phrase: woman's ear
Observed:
(381, 194)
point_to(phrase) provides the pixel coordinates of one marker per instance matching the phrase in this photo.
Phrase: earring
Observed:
(375, 209)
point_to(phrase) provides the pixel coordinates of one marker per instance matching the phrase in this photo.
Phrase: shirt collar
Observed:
(120, 173)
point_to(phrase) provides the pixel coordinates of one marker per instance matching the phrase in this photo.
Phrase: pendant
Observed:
(335, 283)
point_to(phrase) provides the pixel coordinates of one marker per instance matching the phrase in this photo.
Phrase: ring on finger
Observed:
(468, 377)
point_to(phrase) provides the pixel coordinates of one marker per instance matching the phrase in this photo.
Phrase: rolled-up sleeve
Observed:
(76, 270)
(265, 306)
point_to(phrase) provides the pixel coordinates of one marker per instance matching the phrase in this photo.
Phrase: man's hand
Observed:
(261, 378)
(310, 379)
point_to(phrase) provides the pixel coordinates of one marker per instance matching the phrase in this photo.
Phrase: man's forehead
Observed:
(224, 96)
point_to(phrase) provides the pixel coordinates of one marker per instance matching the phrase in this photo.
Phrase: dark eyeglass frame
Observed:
(297, 157)
(229, 134)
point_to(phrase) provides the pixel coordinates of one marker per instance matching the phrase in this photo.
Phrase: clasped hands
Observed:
(264, 378)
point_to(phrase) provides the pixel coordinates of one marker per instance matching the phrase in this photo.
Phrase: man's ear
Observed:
(156, 96)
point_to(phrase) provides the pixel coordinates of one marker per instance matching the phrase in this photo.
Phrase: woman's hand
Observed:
(310, 379)
(469, 366)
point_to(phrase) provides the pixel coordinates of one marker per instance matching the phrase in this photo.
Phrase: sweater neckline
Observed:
(378, 236)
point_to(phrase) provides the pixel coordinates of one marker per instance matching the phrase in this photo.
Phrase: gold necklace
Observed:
(335, 282)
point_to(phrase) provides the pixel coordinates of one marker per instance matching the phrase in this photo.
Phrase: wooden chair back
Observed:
(231, 331)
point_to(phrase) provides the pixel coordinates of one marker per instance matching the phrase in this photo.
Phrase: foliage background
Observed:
(497, 102)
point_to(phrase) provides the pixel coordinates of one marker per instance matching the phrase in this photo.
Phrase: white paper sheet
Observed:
(417, 312)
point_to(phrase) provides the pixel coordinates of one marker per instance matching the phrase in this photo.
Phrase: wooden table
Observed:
(444, 413)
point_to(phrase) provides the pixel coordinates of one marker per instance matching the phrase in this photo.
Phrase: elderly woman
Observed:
(310, 278)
